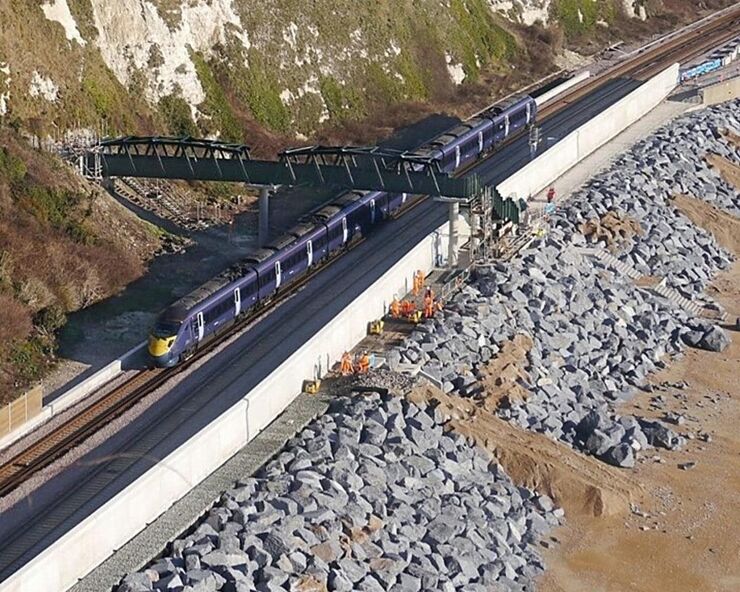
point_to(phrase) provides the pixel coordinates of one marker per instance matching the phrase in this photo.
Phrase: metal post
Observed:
(454, 232)
(475, 232)
(264, 216)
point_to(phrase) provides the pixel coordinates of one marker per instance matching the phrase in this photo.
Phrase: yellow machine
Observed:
(416, 317)
(376, 327)
(311, 387)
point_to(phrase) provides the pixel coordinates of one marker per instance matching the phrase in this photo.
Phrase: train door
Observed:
(506, 126)
(457, 156)
(403, 198)
(529, 112)
(372, 211)
(278, 274)
(309, 253)
(237, 302)
(345, 234)
(199, 325)
(480, 142)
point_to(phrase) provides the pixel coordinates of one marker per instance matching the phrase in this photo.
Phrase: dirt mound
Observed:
(724, 226)
(501, 377)
(613, 228)
(580, 484)
(727, 169)
(731, 137)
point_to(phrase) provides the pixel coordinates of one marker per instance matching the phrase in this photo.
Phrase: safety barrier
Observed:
(16, 413)
(561, 88)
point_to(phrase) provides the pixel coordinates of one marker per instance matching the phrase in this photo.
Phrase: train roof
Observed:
(281, 242)
(301, 229)
(259, 256)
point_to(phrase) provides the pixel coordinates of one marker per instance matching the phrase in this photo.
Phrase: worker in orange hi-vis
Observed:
(363, 363)
(346, 364)
(439, 305)
(395, 308)
(429, 293)
(428, 307)
(550, 195)
(418, 282)
(412, 308)
(406, 307)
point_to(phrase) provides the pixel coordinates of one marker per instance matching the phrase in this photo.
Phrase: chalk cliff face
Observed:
(206, 66)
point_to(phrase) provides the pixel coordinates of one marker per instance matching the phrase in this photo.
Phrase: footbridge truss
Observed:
(363, 168)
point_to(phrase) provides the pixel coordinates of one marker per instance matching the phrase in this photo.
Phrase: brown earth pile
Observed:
(727, 169)
(580, 484)
(613, 228)
(731, 137)
(500, 376)
(724, 226)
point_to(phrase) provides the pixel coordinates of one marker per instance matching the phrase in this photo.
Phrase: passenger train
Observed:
(210, 309)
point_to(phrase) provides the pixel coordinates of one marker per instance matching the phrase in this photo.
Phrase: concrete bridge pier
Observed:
(263, 229)
(453, 247)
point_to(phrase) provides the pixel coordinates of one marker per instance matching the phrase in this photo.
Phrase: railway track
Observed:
(78, 428)
(646, 63)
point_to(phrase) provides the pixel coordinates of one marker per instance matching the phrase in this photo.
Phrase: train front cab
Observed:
(163, 338)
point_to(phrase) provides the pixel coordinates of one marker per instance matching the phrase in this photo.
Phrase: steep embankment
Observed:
(63, 246)
(275, 68)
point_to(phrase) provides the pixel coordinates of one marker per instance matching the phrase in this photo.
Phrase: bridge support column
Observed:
(263, 229)
(454, 209)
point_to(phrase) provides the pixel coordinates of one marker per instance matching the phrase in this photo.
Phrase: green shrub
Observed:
(50, 319)
(576, 16)
(216, 106)
(259, 90)
(414, 87)
(481, 39)
(28, 359)
(342, 102)
(177, 116)
(12, 169)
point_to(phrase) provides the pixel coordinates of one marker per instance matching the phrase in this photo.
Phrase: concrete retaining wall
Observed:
(99, 535)
(537, 174)
(72, 396)
(561, 88)
(721, 92)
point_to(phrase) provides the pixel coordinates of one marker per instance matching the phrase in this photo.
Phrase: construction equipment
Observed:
(376, 327)
(311, 387)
